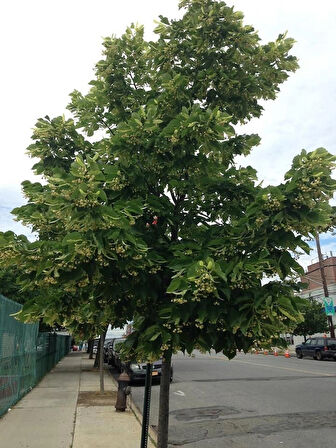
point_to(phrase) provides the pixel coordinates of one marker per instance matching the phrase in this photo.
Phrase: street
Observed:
(249, 402)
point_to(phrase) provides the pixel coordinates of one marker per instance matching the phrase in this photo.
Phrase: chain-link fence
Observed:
(25, 355)
(50, 348)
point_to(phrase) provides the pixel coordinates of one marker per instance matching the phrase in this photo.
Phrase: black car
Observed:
(113, 351)
(137, 371)
(109, 357)
(106, 345)
(318, 348)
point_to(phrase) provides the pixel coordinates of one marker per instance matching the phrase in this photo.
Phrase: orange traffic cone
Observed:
(265, 352)
(287, 355)
(275, 353)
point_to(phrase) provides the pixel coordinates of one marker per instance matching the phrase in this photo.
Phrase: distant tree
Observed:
(9, 286)
(315, 319)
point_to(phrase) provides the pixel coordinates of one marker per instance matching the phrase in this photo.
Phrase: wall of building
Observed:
(317, 294)
(313, 275)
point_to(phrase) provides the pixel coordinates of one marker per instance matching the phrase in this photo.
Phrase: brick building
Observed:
(314, 287)
(313, 280)
(313, 275)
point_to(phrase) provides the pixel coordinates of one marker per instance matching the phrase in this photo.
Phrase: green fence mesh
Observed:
(25, 355)
(50, 348)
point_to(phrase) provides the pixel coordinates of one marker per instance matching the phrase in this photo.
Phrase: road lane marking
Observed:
(180, 393)
(276, 367)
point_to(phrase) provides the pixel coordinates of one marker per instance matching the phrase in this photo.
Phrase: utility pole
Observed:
(324, 281)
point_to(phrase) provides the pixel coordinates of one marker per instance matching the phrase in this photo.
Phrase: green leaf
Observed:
(287, 314)
(219, 272)
(73, 237)
(174, 285)
(155, 336)
(102, 195)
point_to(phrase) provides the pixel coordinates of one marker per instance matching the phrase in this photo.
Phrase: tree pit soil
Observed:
(96, 398)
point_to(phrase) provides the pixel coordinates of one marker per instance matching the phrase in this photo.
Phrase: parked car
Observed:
(108, 343)
(116, 352)
(95, 345)
(112, 352)
(109, 357)
(137, 371)
(318, 348)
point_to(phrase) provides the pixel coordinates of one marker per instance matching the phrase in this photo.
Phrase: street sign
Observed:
(329, 306)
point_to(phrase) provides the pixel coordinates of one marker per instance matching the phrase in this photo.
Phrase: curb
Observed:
(136, 412)
(151, 432)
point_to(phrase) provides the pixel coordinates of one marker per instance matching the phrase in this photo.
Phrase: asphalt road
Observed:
(253, 401)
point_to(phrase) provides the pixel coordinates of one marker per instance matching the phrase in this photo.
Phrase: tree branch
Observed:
(103, 122)
(202, 215)
(173, 196)
(133, 82)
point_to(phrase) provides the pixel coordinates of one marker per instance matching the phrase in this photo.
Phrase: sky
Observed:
(50, 48)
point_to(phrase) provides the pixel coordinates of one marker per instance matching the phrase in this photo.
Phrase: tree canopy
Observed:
(144, 213)
(315, 319)
(9, 286)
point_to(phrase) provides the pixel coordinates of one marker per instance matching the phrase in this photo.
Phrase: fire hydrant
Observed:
(123, 391)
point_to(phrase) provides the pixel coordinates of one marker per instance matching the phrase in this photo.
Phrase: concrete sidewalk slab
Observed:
(37, 428)
(90, 377)
(45, 416)
(59, 413)
(102, 426)
(67, 378)
(49, 397)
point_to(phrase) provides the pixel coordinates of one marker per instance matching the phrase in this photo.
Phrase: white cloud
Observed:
(11, 197)
(302, 115)
(50, 48)
(328, 248)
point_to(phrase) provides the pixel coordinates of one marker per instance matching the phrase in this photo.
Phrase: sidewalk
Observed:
(66, 410)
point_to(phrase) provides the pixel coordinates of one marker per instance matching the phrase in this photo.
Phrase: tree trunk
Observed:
(164, 402)
(101, 361)
(96, 362)
(304, 337)
(90, 348)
